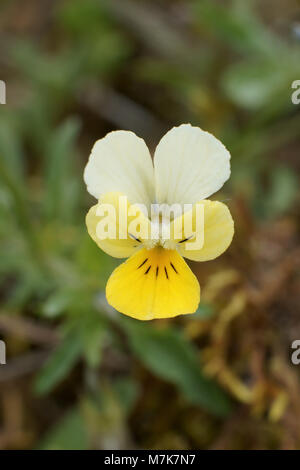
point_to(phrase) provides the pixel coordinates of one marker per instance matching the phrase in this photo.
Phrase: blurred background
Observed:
(78, 374)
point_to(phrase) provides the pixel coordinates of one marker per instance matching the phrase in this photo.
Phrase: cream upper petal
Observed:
(121, 162)
(190, 165)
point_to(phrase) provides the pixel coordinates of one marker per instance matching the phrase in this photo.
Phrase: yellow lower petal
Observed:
(152, 284)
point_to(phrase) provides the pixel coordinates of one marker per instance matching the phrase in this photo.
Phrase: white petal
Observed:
(121, 162)
(190, 165)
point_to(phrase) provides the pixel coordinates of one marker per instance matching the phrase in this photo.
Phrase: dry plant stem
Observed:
(121, 111)
(23, 365)
(26, 328)
(274, 280)
(13, 433)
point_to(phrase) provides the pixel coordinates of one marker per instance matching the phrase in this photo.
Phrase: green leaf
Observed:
(79, 17)
(203, 312)
(91, 260)
(127, 392)
(284, 190)
(10, 147)
(281, 195)
(56, 303)
(237, 26)
(60, 163)
(170, 356)
(59, 364)
(254, 84)
(68, 434)
(93, 333)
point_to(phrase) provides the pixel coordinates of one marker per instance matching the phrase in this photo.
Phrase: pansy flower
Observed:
(189, 165)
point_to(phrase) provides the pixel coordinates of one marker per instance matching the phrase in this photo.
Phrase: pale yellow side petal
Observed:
(153, 284)
(218, 230)
(123, 240)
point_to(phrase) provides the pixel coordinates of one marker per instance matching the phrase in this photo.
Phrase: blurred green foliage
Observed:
(220, 68)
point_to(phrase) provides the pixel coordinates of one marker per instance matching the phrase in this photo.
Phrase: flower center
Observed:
(161, 228)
